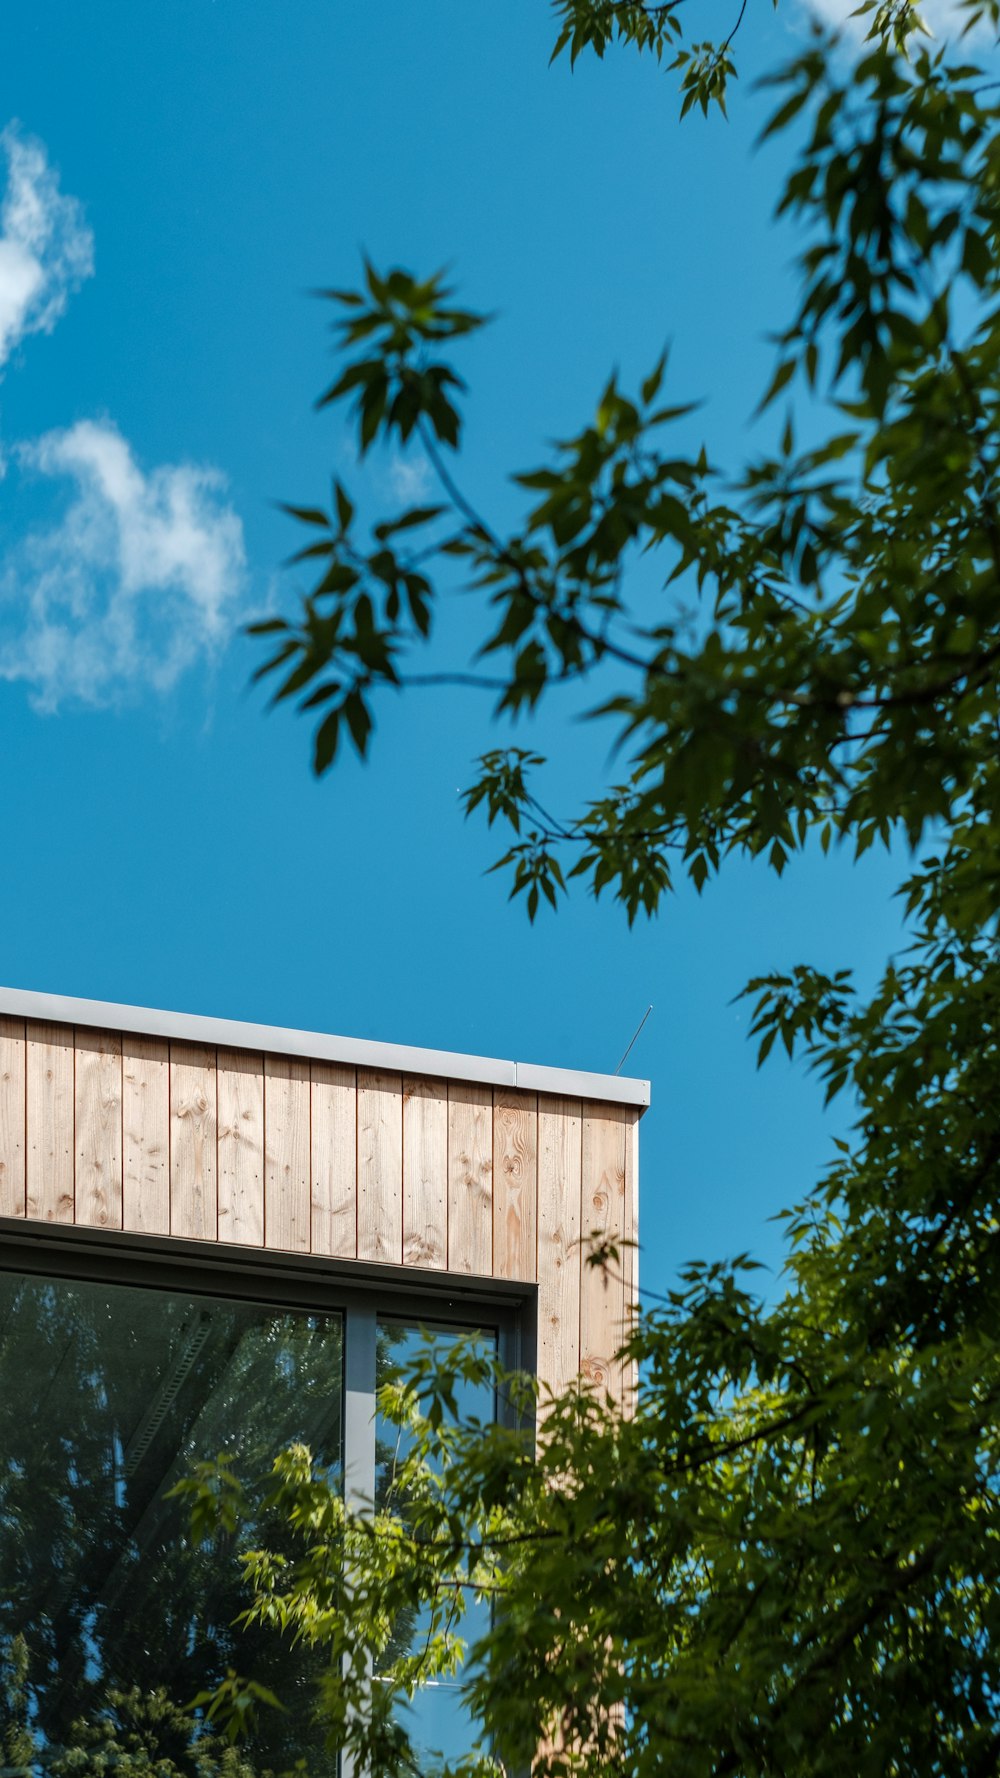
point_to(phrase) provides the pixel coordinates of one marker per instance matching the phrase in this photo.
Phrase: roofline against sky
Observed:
(572, 1083)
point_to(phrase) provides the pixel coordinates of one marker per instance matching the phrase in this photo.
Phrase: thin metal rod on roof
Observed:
(638, 1028)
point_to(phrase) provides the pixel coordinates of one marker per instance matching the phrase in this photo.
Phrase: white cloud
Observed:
(139, 578)
(410, 478)
(46, 248)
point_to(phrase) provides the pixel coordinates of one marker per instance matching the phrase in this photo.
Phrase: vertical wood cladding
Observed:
(50, 1123)
(239, 1079)
(12, 1047)
(113, 1131)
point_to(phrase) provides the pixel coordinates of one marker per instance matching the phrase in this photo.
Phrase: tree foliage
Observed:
(786, 1560)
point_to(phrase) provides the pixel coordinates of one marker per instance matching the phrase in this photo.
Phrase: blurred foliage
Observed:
(786, 1561)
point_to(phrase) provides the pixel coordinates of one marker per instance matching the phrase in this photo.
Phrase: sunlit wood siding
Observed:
(161, 1137)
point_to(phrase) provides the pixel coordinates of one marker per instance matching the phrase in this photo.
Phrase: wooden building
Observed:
(211, 1234)
(118, 1118)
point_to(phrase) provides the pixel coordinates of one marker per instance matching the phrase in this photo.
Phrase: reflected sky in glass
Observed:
(435, 1718)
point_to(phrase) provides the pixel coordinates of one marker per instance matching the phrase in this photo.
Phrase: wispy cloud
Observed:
(410, 478)
(46, 248)
(139, 577)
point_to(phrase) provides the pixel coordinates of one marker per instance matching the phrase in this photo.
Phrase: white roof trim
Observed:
(358, 1052)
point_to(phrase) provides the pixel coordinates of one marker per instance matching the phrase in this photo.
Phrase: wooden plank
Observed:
(193, 1158)
(470, 1179)
(380, 1166)
(602, 1292)
(146, 1135)
(240, 1087)
(12, 1117)
(515, 1184)
(49, 1122)
(630, 1250)
(98, 1120)
(334, 1122)
(425, 1174)
(559, 1189)
(287, 1164)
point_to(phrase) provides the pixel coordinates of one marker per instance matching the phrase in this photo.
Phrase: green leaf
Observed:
(345, 507)
(307, 515)
(781, 378)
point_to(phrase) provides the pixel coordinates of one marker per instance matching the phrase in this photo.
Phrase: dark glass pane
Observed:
(435, 1719)
(108, 1395)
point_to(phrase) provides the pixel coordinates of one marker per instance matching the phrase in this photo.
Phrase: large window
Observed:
(108, 1394)
(111, 1387)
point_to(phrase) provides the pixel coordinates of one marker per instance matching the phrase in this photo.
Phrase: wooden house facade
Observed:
(441, 1170)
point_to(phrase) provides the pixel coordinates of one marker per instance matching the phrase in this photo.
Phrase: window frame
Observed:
(358, 1290)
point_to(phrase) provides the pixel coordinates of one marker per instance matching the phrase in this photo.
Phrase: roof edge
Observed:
(144, 1021)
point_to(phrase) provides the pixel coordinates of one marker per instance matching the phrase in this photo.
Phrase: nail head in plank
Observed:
(470, 1179)
(334, 1120)
(98, 1119)
(287, 1168)
(380, 1166)
(146, 1135)
(193, 1156)
(515, 1184)
(241, 1147)
(49, 1122)
(425, 1174)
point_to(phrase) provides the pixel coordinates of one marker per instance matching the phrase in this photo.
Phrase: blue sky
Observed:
(179, 176)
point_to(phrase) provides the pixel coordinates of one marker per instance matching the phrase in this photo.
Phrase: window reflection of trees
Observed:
(108, 1394)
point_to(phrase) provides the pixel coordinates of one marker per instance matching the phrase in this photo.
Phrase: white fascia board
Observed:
(575, 1083)
(357, 1052)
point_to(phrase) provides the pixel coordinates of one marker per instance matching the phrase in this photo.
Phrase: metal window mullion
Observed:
(359, 1407)
(359, 1428)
